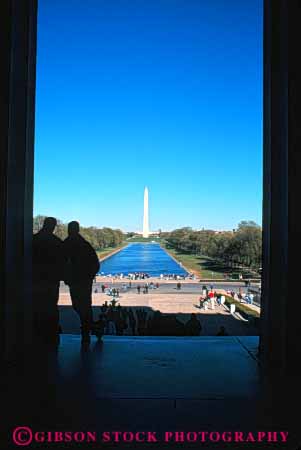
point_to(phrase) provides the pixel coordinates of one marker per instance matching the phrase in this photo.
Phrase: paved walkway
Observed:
(167, 302)
(177, 302)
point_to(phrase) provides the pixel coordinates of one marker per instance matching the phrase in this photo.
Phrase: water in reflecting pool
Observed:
(138, 257)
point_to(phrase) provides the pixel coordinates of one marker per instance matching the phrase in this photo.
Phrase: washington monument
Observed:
(145, 232)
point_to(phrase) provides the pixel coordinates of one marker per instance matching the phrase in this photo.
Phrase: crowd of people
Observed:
(124, 321)
(130, 276)
(143, 276)
(117, 320)
(138, 276)
(115, 292)
(210, 298)
(248, 297)
(174, 276)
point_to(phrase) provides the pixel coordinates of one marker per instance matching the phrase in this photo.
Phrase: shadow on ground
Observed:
(210, 323)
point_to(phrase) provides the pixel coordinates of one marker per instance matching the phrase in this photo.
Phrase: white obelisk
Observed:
(145, 232)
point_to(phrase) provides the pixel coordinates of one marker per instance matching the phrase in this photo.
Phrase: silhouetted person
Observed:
(98, 327)
(120, 324)
(154, 324)
(193, 326)
(113, 302)
(132, 321)
(47, 259)
(165, 325)
(81, 267)
(104, 307)
(222, 332)
(173, 326)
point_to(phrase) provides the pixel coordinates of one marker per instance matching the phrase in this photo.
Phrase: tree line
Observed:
(242, 246)
(99, 238)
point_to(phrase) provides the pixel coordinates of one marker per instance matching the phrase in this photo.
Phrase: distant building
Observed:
(150, 233)
(216, 231)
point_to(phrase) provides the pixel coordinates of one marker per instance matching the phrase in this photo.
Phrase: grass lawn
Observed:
(108, 250)
(196, 264)
(242, 308)
(205, 267)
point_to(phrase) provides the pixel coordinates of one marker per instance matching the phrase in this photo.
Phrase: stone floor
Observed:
(151, 384)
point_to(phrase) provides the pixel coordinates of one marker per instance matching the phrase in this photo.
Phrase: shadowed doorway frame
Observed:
(280, 330)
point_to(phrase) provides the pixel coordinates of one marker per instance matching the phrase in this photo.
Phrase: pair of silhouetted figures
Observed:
(76, 263)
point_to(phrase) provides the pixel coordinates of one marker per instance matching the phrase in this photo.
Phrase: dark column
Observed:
(18, 53)
(281, 308)
(293, 310)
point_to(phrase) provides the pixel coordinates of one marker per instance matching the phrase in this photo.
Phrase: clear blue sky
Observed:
(163, 93)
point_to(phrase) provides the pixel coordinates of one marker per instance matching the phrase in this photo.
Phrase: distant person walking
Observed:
(81, 267)
(212, 299)
(218, 298)
(47, 259)
(251, 298)
(201, 300)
